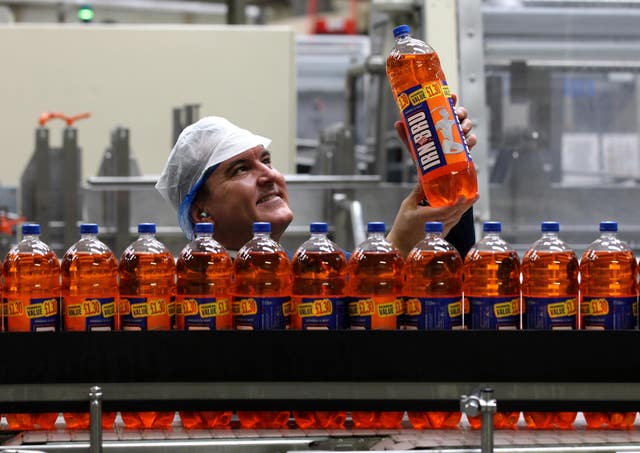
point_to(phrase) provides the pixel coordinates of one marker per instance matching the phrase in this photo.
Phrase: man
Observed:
(218, 172)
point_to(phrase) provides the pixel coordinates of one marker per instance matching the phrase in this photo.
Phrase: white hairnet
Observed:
(199, 149)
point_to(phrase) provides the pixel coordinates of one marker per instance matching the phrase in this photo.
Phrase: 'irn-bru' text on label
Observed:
(312, 313)
(146, 313)
(550, 313)
(495, 313)
(203, 313)
(373, 313)
(432, 313)
(609, 313)
(89, 313)
(433, 127)
(261, 313)
(31, 315)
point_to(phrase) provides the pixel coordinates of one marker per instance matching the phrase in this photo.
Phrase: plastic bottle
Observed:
(31, 303)
(319, 269)
(492, 292)
(433, 301)
(374, 288)
(205, 272)
(262, 301)
(422, 95)
(147, 288)
(550, 300)
(608, 301)
(89, 298)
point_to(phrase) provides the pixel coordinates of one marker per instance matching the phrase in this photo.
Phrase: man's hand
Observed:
(408, 226)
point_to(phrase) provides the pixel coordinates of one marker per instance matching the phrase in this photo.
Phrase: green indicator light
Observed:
(86, 14)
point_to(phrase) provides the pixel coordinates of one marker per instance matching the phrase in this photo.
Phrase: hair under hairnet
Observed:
(200, 148)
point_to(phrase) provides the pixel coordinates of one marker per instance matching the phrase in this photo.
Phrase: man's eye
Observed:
(239, 169)
(267, 161)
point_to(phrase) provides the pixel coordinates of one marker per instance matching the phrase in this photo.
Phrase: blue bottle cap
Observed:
(203, 227)
(88, 228)
(262, 227)
(433, 227)
(146, 228)
(31, 228)
(318, 227)
(376, 227)
(401, 30)
(609, 225)
(492, 227)
(550, 227)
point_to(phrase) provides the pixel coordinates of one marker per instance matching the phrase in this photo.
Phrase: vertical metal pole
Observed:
(121, 155)
(95, 417)
(71, 185)
(488, 410)
(481, 403)
(42, 206)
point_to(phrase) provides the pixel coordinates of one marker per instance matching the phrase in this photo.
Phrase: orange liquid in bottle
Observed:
(444, 184)
(493, 278)
(205, 272)
(147, 284)
(319, 280)
(261, 300)
(434, 271)
(89, 302)
(549, 275)
(374, 287)
(607, 275)
(31, 276)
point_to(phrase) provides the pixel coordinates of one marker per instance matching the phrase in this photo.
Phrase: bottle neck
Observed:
(202, 235)
(261, 235)
(147, 235)
(88, 236)
(434, 235)
(378, 235)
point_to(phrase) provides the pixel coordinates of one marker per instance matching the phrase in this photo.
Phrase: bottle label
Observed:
(261, 313)
(88, 313)
(609, 313)
(32, 315)
(203, 313)
(145, 313)
(433, 127)
(324, 313)
(373, 313)
(495, 313)
(544, 313)
(432, 313)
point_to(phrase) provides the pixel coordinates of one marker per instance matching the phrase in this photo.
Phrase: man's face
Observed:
(246, 189)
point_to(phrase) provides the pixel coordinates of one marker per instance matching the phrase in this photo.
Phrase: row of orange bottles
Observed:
(374, 279)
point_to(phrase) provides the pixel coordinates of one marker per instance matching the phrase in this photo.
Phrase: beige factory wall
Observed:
(133, 76)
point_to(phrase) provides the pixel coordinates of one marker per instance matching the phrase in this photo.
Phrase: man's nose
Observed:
(266, 174)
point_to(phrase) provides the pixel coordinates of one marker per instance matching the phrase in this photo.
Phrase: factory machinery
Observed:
(552, 89)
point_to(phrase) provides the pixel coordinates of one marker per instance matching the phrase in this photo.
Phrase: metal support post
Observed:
(481, 402)
(42, 206)
(95, 419)
(121, 156)
(71, 184)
